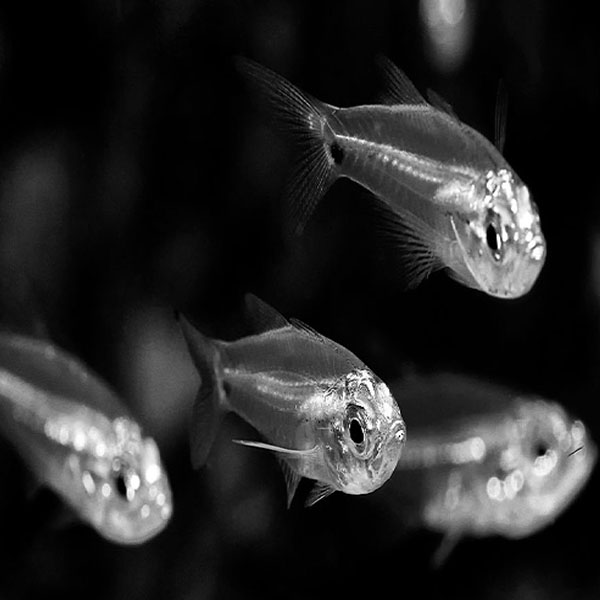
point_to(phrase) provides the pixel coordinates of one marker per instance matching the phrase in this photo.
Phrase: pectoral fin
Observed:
(448, 543)
(411, 241)
(292, 479)
(320, 490)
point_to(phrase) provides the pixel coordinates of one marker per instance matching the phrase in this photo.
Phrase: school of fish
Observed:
(448, 199)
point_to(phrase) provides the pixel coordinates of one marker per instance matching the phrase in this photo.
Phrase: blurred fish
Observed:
(79, 440)
(507, 472)
(448, 197)
(322, 411)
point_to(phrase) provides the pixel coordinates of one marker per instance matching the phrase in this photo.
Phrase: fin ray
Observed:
(412, 241)
(207, 412)
(441, 104)
(262, 316)
(307, 118)
(399, 89)
(292, 479)
(319, 491)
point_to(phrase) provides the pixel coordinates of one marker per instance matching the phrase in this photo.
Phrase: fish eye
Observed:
(121, 485)
(540, 449)
(357, 434)
(355, 431)
(492, 238)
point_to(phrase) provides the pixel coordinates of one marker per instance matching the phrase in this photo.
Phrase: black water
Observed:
(136, 175)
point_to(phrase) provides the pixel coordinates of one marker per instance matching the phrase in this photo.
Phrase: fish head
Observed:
(122, 487)
(366, 436)
(541, 471)
(501, 247)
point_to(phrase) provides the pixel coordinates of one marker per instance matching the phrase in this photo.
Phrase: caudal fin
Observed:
(308, 120)
(207, 412)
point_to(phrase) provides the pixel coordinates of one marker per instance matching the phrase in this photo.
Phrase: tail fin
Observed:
(308, 119)
(208, 407)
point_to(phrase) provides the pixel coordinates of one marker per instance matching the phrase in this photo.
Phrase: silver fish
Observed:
(509, 472)
(321, 410)
(78, 439)
(449, 199)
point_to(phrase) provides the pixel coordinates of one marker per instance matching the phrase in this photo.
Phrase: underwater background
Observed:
(139, 175)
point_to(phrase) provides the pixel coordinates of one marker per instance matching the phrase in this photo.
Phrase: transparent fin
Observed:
(500, 118)
(399, 89)
(206, 421)
(412, 243)
(447, 545)
(307, 119)
(207, 412)
(318, 492)
(301, 326)
(292, 480)
(261, 316)
(461, 278)
(313, 175)
(441, 104)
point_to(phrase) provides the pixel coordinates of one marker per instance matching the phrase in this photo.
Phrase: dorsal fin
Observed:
(399, 89)
(500, 117)
(308, 330)
(301, 326)
(441, 104)
(261, 316)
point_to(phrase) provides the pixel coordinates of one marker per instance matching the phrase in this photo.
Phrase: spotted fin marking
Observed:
(308, 120)
(319, 491)
(399, 89)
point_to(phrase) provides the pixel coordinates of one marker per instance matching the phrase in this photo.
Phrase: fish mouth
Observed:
(386, 461)
(552, 503)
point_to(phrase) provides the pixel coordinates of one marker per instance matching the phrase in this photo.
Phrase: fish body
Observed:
(325, 414)
(78, 439)
(509, 472)
(451, 200)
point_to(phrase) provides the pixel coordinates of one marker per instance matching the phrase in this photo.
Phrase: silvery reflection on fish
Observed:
(320, 409)
(508, 471)
(78, 439)
(448, 198)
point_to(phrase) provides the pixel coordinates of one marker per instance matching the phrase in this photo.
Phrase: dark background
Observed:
(137, 175)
